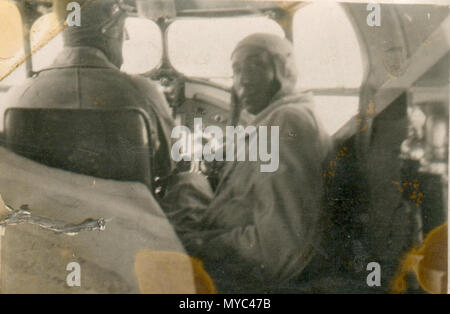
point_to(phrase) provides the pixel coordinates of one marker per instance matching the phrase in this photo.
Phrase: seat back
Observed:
(109, 144)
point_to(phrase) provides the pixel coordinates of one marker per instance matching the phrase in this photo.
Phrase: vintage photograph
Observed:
(224, 147)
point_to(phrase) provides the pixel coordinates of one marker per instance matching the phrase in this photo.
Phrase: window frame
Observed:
(199, 18)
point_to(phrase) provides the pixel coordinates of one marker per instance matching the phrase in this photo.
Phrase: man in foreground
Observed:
(261, 231)
(86, 75)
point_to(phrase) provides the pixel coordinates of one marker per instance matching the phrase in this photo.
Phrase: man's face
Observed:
(254, 78)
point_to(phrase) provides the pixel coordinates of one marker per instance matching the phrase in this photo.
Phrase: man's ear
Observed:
(285, 70)
(235, 108)
(276, 85)
(115, 30)
(277, 65)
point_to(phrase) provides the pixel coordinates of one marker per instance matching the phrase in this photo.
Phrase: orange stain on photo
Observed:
(428, 263)
(163, 272)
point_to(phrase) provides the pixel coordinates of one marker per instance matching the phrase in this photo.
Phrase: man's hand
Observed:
(211, 168)
(3, 210)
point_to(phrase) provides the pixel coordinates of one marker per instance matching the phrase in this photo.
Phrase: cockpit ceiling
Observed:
(216, 8)
(183, 6)
(206, 7)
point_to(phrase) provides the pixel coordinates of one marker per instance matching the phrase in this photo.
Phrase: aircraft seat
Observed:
(105, 143)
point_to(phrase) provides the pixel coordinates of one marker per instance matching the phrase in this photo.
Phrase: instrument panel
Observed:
(206, 101)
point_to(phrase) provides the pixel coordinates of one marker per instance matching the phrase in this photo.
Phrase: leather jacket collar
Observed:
(81, 57)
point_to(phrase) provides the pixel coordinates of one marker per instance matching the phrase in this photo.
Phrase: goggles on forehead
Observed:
(119, 10)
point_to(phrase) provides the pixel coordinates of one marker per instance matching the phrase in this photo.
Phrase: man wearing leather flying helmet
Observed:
(86, 74)
(261, 232)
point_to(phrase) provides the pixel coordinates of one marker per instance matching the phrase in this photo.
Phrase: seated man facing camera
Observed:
(261, 231)
(86, 75)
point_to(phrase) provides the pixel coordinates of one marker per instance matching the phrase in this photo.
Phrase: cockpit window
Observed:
(142, 47)
(202, 47)
(41, 34)
(11, 45)
(329, 61)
